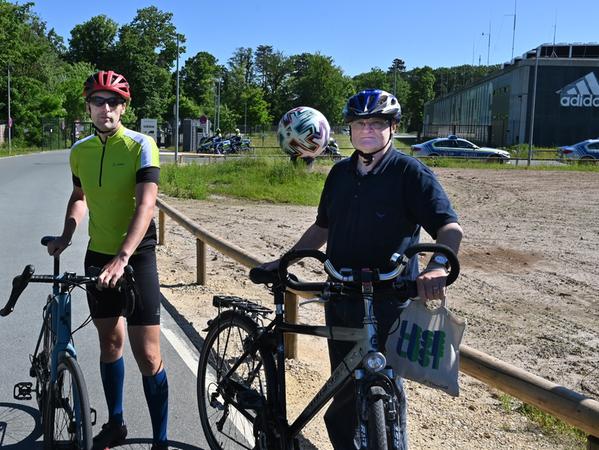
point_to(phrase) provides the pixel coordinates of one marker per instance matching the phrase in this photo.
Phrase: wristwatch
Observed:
(441, 260)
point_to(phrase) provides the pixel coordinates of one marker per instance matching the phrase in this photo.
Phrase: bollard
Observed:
(200, 262)
(161, 226)
(291, 309)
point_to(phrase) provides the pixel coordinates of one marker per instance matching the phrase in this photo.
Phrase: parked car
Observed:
(584, 151)
(454, 146)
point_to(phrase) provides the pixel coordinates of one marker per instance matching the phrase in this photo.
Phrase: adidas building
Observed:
(498, 110)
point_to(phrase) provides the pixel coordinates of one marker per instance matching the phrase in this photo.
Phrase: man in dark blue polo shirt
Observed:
(372, 205)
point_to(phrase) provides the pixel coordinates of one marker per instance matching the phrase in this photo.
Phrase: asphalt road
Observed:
(33, 193)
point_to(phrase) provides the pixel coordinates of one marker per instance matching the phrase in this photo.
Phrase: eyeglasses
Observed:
(101, 101)
(377, 125)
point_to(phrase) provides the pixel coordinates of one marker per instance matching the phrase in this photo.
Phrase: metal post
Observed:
(161, 226)
(201, 262)
(514, 30)
(291, 310)
(9, 117)
(177, 107)
(532, 108)
(489, 44)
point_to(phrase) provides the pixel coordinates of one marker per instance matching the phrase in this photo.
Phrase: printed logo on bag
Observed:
(424, 347)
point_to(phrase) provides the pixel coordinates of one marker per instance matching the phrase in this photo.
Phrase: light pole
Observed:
(532, 108)
(488, 42)
(9, 117)
(177, 108)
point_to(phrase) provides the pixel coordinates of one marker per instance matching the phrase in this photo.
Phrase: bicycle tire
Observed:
(67, 421)
(41, 366)
(222, 347)
(377, 429)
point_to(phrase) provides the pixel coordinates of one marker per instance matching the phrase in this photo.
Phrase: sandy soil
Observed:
(528, 290)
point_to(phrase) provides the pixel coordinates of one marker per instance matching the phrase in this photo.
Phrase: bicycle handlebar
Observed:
(20, 282)
(405, 288)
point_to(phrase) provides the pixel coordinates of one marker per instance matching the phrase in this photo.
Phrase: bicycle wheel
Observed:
(377, 430)
(229, 407)
(67, 422)
(40, 366)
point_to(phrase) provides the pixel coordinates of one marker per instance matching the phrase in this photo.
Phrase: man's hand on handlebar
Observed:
(57, 246)
(431, 284)
(112, 272)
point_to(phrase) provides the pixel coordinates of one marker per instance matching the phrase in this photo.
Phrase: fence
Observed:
(570, 406)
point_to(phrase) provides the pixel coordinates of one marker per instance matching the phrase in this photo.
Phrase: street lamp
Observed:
(488, 42)
(534, 100)
(9, 116)
(177, 108)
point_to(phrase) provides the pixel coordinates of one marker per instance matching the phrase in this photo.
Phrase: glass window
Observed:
(593, 146)
(465, 144)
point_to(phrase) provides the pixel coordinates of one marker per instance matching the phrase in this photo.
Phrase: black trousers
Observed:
(341, 416)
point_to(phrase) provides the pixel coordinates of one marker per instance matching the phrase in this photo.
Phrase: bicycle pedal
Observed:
(250, 399)
(93, 416)
(32, 373)
(22, 391)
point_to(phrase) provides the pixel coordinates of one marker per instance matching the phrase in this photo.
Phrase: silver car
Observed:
(454, 146)
(584, 151)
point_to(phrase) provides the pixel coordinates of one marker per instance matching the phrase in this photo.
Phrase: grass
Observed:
(19, 151)
(274, 180)
(549, 424)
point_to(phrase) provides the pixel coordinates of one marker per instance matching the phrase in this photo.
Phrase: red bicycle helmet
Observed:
(107, 81)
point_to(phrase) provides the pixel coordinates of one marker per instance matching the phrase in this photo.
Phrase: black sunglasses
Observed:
(101, 101)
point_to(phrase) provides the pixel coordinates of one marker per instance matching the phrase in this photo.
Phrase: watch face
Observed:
(440, 259)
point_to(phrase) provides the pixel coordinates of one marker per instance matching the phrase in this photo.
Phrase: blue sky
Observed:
(357, 34)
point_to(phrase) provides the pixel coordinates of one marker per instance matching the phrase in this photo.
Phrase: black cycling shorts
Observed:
(109, 302)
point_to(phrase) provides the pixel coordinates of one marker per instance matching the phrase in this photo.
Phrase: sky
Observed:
(357, 34)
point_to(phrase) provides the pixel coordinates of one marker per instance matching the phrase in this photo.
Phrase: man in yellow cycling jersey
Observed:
(115, 175)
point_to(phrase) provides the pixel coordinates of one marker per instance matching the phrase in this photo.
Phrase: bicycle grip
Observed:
(454, 263)
(19, 283)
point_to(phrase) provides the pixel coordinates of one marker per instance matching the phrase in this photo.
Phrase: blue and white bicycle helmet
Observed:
(372, 103)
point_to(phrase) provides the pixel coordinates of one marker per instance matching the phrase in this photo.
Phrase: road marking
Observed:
(188, 354)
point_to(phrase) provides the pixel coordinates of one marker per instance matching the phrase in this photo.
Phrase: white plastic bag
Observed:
(425, 346)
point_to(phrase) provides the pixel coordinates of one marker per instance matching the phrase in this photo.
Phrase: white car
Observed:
(454, 146)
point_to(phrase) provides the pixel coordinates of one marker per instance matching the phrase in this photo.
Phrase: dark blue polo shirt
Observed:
(369, 217)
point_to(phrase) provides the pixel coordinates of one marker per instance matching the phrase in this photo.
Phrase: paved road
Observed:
(33, 194)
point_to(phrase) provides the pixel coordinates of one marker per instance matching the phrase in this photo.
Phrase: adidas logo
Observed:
(583, 92)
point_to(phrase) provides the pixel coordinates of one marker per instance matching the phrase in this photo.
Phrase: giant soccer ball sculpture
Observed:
(303, 132)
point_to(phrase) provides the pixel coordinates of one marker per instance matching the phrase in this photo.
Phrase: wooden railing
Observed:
(572, 407)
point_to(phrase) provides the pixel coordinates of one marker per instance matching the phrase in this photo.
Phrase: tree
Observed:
(94, 42)
(197, 78)
(422, 81)
(375, 79)
(146, 52)
(318, 83)
(36, 70)
(273, 72)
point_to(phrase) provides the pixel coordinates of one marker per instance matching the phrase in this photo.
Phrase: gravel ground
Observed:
(527, 290)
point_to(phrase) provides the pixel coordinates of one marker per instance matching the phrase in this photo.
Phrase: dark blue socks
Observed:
(113, 376)
(156, 391)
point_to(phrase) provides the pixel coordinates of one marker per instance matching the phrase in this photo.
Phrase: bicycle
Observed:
(241, 371)
(60, 389)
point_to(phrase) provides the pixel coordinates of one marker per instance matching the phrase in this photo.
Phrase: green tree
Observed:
(273, 72)
(146, 52)
(422, 81)
(70, 88)
(255, 108)
(197, 78)
(94, 42)
(375, 79)
(318, 83)
(36, 70)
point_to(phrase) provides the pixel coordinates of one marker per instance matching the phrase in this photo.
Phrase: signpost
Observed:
(150, 127)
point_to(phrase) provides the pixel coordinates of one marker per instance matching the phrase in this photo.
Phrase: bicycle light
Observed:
(374, 361)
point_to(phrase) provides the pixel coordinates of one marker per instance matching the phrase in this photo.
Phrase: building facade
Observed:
(552, 90)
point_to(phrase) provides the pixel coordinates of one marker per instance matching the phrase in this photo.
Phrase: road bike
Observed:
(241, 372)
(60, 389)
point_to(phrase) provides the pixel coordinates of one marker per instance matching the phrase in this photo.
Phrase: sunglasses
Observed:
(101, 101)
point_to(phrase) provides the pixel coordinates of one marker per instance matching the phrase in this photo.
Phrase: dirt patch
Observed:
(528, 290)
